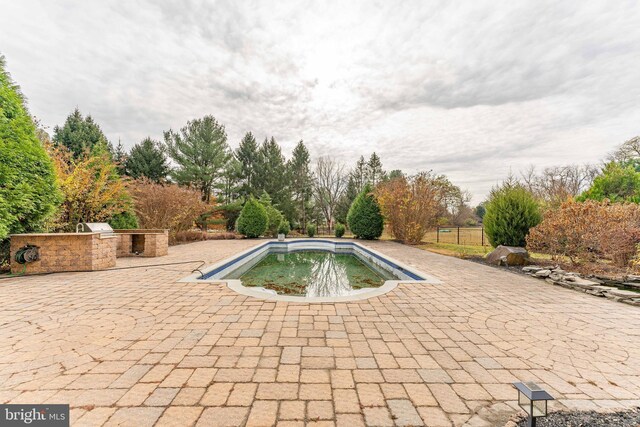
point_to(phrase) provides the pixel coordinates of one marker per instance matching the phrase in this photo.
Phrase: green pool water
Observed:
(313, 274)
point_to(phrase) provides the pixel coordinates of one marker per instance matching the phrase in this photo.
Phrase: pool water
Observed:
(314, 274)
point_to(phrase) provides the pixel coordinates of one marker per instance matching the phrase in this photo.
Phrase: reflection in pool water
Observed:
(313, 274)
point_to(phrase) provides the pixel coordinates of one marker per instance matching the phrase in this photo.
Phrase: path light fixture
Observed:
(533, 400)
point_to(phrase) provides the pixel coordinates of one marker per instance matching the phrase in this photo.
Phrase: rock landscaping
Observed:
(625, 289)
(588, 419)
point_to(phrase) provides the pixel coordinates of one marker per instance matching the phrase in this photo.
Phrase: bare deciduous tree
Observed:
(330, 182)
(556, 184)
(629, 150)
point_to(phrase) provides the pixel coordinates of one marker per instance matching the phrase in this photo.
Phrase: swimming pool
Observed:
(311, 270)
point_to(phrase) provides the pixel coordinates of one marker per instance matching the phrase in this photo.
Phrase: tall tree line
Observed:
(198, 155)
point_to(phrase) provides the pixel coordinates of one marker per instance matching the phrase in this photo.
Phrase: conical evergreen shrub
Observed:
(510, 212)
(364, 218)
(253, 219)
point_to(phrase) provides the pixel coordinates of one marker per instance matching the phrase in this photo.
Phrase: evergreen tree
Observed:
(201, 152)
(359, 175)
(375, 174)
(357, 180)
(364, 218)
(274, 215)
(273, 178)
(29, 194)
(248, 156)
(271, 169)
(120, 157)
(81, 135)
(396, 173)
(147, 160)
(301, 183)
(231, 186)
(347, 199)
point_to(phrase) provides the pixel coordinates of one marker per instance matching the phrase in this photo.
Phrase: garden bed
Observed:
(587, 419)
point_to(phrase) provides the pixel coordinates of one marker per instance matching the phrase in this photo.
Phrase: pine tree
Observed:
(396, 173)
(248, 156)
(231, 186)
(81, 135)
(347, 199)
(358, 178)
(147, 160)
(201, 152)
(360, 175)
(120, 158)
(273, 178)
(375, 174)
(301, 183)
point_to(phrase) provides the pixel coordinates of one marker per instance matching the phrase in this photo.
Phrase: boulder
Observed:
(508, 255)
(532, 269)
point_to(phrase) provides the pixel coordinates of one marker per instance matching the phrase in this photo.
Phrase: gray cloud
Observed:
(472, 90)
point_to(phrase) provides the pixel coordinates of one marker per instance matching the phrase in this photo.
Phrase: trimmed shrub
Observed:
(585, 232)
(29, 194)
(340, 229)
(311, 230)
(364, 217)
(284, 227)
(511, 212)
(123, 221)
(253, 220)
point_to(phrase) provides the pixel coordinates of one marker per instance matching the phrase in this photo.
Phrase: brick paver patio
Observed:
(133, 347)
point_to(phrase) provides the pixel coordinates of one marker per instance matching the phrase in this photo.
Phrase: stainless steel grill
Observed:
(95, 227)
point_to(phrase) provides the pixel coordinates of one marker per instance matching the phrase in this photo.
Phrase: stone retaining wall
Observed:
(65, 252)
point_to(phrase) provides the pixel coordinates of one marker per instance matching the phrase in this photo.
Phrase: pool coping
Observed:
(265, 294)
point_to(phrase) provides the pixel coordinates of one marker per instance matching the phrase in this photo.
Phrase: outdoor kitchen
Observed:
(94, 246)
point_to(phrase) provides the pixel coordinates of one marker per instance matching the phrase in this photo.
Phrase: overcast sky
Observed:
(469, 89)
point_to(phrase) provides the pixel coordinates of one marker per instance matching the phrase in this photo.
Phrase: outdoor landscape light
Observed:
(533, 400)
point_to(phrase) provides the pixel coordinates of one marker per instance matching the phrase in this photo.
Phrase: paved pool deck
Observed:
(134, 347)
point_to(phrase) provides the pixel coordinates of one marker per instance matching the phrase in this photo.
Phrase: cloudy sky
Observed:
(469, 89)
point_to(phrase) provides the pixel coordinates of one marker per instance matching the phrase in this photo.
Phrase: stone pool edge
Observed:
(261, 293)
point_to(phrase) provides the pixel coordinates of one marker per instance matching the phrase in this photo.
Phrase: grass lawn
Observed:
(468, 251)
(460, 251)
